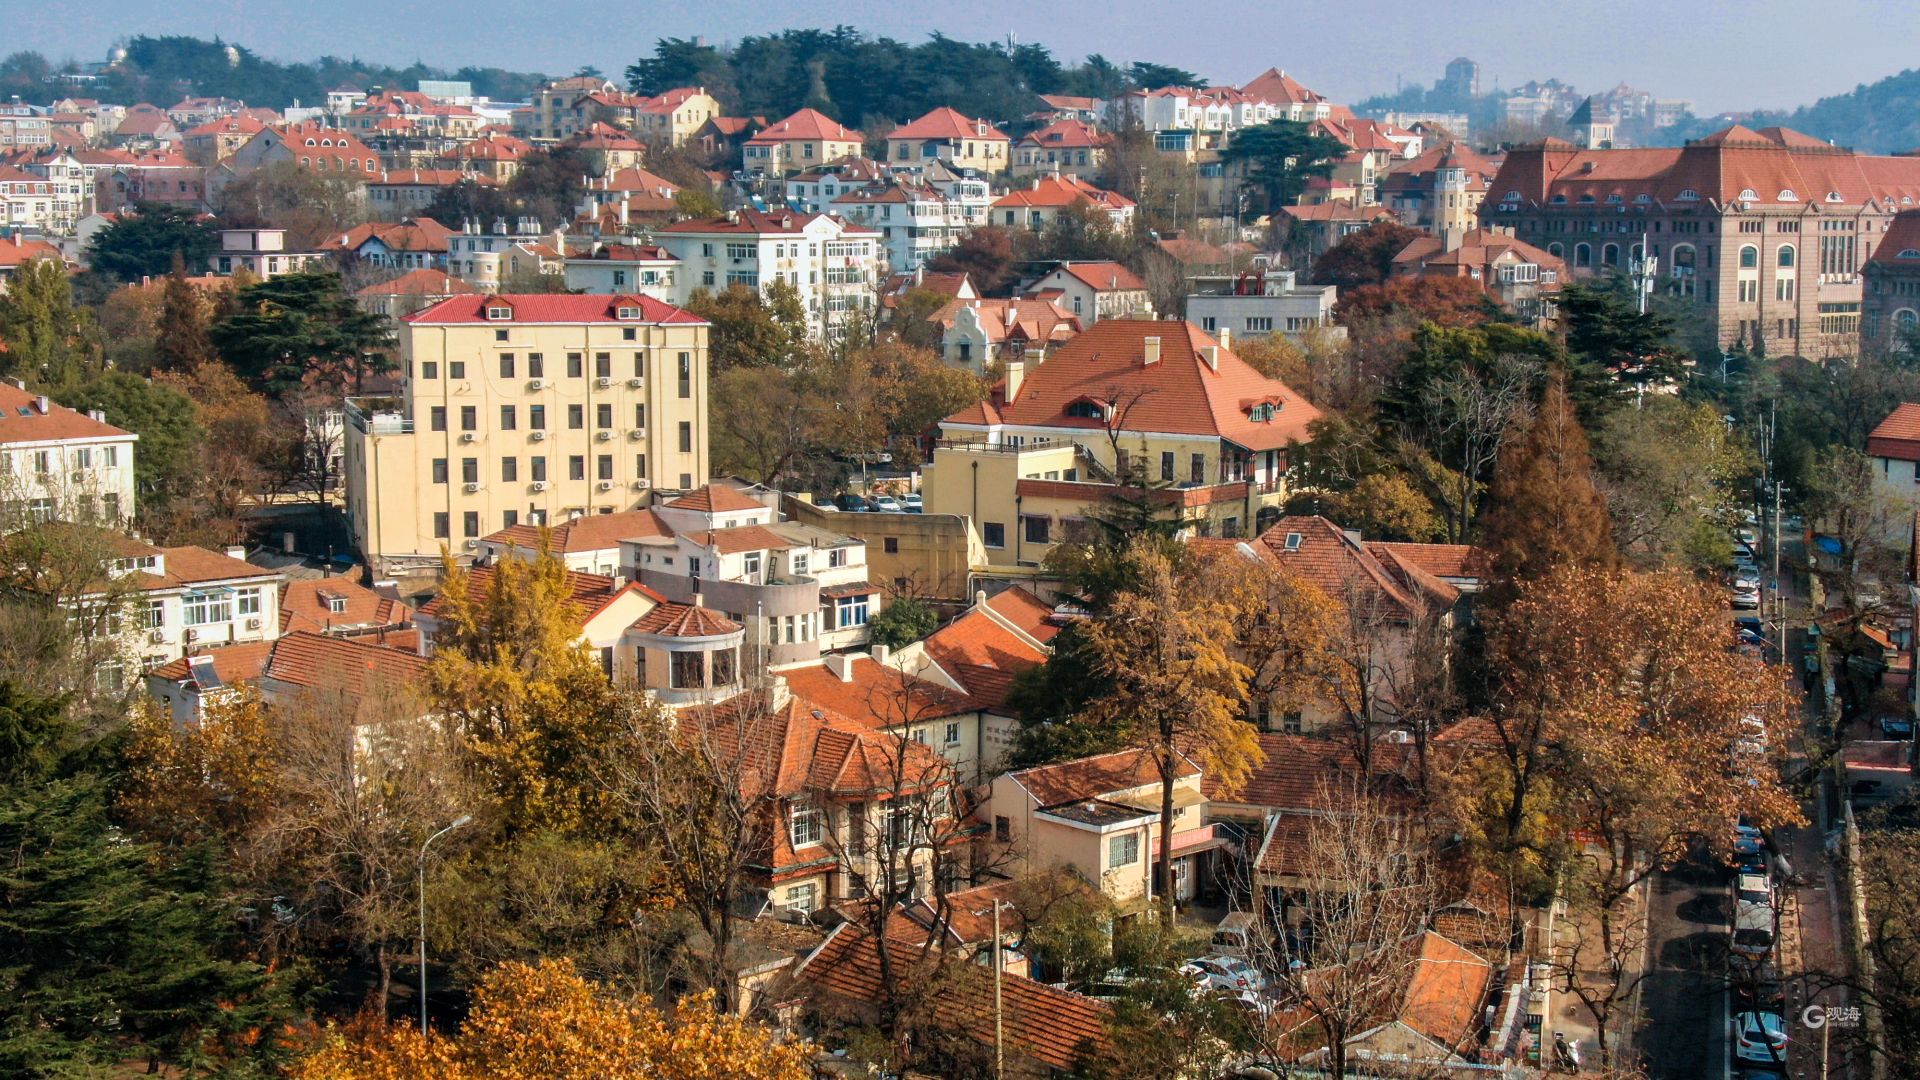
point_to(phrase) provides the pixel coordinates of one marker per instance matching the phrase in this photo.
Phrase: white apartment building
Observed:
(486, 257)
(70, 186)
(28, 201)
(835, 266)
(646, 269)
(260, 252)
(530, 408)
(186, 599)
(916, 222)
(1260, 303)
(59, 463)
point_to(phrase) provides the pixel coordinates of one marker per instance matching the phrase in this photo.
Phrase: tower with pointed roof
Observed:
(1592, 130)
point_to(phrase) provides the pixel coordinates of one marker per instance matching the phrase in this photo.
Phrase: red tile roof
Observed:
(589, 532)
(232, 663)
(1061, 191)
(1445, 991)
(1042, 322)
(1056, 1028)
(779, 222)
(1181, 394)
(425, 281)
(1898, 436)
(1034, 616)
(1900, 244)
(316, 661)
(684, 621)
(1349, 573)
(983, 656)
(1104, 276)
(555, 308)
(806, 124)
(417, 234)
(1068, 134)
(712, 498)
(945, 123)
(877, 695)
(307, 605)
(1279, 88)
(57, 422)
(586, 593)
(1094, 777)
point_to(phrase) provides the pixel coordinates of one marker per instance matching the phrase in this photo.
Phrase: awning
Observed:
(1194, 841)
(851, 588)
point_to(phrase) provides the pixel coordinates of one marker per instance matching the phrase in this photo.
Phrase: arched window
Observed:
(1558, 200)
(1787, 195)
(1643, 197)
(1582, 255)
(1610, 255)
(1587, 198)
(1556, 250)
(1906, 320)
(1689, 195)
(1511, 196)
(1749, 195)
(1615, 199)
(1785, 256)
(1749, 257)
(1834, 196)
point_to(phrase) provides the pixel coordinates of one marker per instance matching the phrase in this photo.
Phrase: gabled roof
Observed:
(1103, 276)
(1055, 192)
(552, 308)
(1900, 244)
(983, 656)
(21, 420)
(1896, 437)
(1180, 394)
(1445, 990)
(588, 532)
(795, 747)
(320, 662)
(1068, 134)
(946, 123)
(1043, 322)
(1342, 567)
(1094, 777)
(232, 664)
(714, 498)
(1279, 88)
(16, 252)
(876, 694)
(586, 593)
(416, 234)
(425, 281)
(307, 604)
(1032, 615)
(806, 124)
(1296, 771)
(1056, 1028)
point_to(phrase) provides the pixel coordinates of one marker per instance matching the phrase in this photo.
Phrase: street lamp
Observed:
(457, 822)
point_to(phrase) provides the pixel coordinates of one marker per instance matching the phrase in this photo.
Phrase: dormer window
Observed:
(1787, 195)
(1086, 409)
(1511, 196)
(626, 313)
(1559, 200)
(1834, 196)
(1689, 195)
(499, 311)
(1908, 253)
(1586, 199)
(1643, 197)
(311, 142)
(1261, 414)
(1749, 195)
(337, 605)
(1293, 541)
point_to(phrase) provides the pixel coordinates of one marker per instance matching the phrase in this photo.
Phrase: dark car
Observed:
(1896, 727)
(849, 502)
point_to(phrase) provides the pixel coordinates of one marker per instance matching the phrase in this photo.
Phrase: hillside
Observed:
(1880, 117)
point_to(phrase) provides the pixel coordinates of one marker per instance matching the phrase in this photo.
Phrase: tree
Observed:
(146, 242)
(1544, 511)
(1844, 494)
(751, 328)
(211, 781)
(1167, 650)
(695, 202)
(181, 340)
(1364, 257)
(311, 205)
(1387, 506)
(545, 1020)
(303, 330)
(110, 951)
(43, 337)
(1464, 418)
(1612, 345)
(1442, 301)
(902, 622)
(985, 254)
(1672, 474)
(1279, 157)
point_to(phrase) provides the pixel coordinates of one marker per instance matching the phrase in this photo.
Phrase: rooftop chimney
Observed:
(1150, 351)
(1016, 374)
(1226, 338)
(40, 404)
(841, 665)
(1211, 354)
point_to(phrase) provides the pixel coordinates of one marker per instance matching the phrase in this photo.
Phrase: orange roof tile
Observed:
(1898, 436)
(309, 605)
(589, 532)
(876, 695)
(1094, 777)
(1031, 614)
(22, 420)
(1445, 991)
(317, 661)
(550, 308)
(806, 124)
(232, 663)
(946, 123)
(714, 498)
(1343, 568)
(684, 621)
(425, 281)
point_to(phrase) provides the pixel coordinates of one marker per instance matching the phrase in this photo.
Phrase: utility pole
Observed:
(1644, 270)
(999, 1040)
(457, 822)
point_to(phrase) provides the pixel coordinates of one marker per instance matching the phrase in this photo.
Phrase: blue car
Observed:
(1896, 727)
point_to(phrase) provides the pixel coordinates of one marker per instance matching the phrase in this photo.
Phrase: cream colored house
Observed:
(801, 141)
(533, 409)
(1100, 817)
(59, 463)
(951, 136)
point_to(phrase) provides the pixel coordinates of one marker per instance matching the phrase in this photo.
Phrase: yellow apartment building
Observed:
(1158, 401)
(524, 409)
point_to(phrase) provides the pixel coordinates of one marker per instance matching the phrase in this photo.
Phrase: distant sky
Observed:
(1720, 55)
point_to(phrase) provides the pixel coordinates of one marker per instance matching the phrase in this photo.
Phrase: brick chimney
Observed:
(1150, 351)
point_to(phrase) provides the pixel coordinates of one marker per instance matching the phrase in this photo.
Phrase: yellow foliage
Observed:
(545, 1022)
(212, 778)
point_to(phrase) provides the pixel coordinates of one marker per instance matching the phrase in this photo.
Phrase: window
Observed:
(803, 898)
(201, 608)
(537, 469)
(1749, 257)
(1785, 255)
(639, 416)
(603, 416)
(429, 369)
(1199, 468)
(577, 467)
(952, 733)
(1002, 829)
(247, 601)
(686, 375)
(806, 824)
(469, 417)
(509, 470)
(470, 524)
(575, 365)
(537, 417)
(993, 534)
(603, 466)
(469, 470)
(852, 611)
(889, 544)
(1038, 529)
(456, 369)
(1166, 465)
(576, 417)
(440, 525)
(536, 366)
(686, 436)
(1290, 722)
(507, 419)
(506, 365)
(437, 418)
(439, 470)
(1124, 849)
(156, 616)
(1089, 410)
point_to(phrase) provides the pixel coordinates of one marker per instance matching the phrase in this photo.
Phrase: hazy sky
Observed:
(1757, 53)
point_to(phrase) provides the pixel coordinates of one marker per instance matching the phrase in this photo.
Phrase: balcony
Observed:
(378, 416)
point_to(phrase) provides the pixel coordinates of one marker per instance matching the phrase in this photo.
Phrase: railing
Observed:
(378, 416)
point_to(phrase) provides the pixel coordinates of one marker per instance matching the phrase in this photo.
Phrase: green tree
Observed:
(696, 202)
(145, 242)
(108, 951)
(43, 337)
(751, 328)
(168, 463)
(902, 622)
(1611, 345)
(1279, 157)
(303, 330)
(311, 205)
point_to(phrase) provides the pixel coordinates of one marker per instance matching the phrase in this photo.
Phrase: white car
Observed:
(1225, 973)
(1746, 579)
(1746, 535)
(1746, 598)
(1760, 1037)
(886, 504)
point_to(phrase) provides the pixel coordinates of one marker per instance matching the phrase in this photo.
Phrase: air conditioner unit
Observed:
(536, 384)
(606, 485)
(469, 436)
(636, 382)
(471, 544)
(156, 635)
(539, 485)
(639, 485)
(471, 488)
(604, 436)
(637, 434)
(603, 382)
(538, 436)
(253, 623)
(190, 635)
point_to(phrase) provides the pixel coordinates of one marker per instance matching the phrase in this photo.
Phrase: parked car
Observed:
(1225, 973)
(1760, 1037)
(1747, 535)
(1239, 934)
(1753, 889)
(1746, 578)
(910, 502)
(1746, 598)
(1752, 930)
(883, 504)
(1757, 986)
(1753, 740)
(849, 502)
(1896, 727)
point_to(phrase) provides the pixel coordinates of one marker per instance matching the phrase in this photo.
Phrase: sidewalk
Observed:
(1568, 1014)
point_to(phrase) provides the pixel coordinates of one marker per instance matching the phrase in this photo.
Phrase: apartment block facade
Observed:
(57, 463)
(524, 409)
(834, 265)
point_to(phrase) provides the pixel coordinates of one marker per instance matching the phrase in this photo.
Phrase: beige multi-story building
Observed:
(531, 408)
(834, 265)
(59, 463)
(951, 136)
(801, 141)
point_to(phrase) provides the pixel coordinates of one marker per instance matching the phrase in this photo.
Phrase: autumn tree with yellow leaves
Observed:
(1166, 646)
(545, 1022)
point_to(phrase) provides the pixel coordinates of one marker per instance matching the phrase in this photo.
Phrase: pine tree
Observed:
(1543, 509)
(43, 337)
(181, 339)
